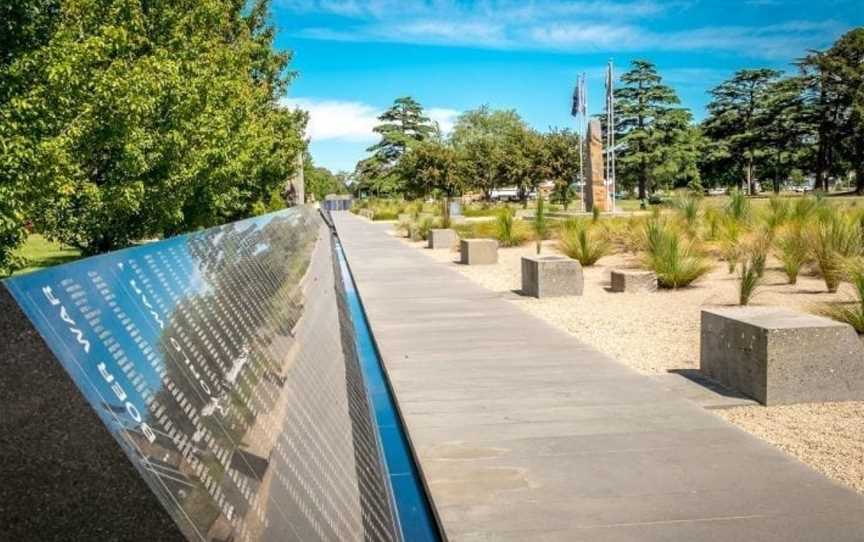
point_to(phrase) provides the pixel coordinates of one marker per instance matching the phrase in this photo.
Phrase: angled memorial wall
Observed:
(222, 363)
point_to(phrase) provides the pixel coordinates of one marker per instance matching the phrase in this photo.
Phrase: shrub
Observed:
(676, 262)
(758, 247)
(689, 208)
(804, 208)
(777, 213)
(508, 233)
(749, 280)
(483, 209)
(792, 251)
(540, 223)
(831, 241)
(595, 213)
(713, 222)
(424, 226)
(632, 235)
(729, 242)
(851, 313)
(385, 214)
(738, 206)
(581, 242)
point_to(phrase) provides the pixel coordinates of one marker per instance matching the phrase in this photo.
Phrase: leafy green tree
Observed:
(432, 167)
(734, 122)
(843, 75)
(822, 111)
(523, 162)
(785, 130)
(25, 25)
(320, 181)
(561, 162)
(484, 136)
(402, 125)
(679, 147)
(137, 119)
(645, 114)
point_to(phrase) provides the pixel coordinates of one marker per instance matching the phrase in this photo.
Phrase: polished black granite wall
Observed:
(62, 475)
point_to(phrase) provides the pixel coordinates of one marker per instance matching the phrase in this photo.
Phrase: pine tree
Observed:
(401, 125)
(785, 134)
(734, 120)
(844, 75)
(645, 111)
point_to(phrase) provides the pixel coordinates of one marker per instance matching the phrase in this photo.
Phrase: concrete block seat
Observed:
(478, 251)
(551, 276)
(633, 281)
(778, 356)
(440, 238)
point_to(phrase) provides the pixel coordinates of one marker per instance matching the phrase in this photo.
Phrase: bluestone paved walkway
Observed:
(524, 433)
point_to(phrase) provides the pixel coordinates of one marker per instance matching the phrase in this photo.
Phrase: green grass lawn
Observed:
(40, 252)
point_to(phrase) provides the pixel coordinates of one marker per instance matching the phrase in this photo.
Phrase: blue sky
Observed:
(355, 57)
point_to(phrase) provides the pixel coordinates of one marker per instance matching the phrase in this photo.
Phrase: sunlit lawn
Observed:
(40, 252)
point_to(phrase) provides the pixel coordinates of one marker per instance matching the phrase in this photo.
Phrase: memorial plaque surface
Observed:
(223, 364)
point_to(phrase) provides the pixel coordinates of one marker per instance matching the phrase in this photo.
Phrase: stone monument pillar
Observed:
(595, 187)
(294, 189)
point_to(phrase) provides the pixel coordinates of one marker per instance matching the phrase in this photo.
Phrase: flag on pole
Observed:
(609, 83)
(580, 103)
(576, 107)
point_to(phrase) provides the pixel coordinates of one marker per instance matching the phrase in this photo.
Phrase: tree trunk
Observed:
(643, 180)
(821, 182)
(859, 167)
(749, 174)
(777, 170)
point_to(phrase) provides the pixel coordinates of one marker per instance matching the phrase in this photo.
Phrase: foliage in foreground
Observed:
(128, 121)
(851, 313)
(832, 240)
(583, 242)
(792, 251)
(749, 279)
(508, 233)
(675, 260)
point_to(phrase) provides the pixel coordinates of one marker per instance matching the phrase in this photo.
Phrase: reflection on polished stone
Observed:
(224, 364)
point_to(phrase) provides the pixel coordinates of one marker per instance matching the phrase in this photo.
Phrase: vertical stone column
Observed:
(595, 188)
(295, 186)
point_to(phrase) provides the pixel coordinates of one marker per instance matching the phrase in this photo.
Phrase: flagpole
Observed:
(583, 133)
(610, 130)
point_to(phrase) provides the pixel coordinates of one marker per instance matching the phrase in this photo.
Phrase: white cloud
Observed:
(556, 25)
(353, 121)
(333, 119)
(446, 118)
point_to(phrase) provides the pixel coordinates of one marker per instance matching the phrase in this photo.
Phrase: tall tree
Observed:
(842, 67)
(320, 181)
(679, 147)
(484, 137)
(433, 166)
(643, 108)
(785, 131)
(141, 118)
(734, 120)
(401, 126)
(561, 162)
(822, 113)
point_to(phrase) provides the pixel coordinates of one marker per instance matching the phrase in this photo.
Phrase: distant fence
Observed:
(337, 202)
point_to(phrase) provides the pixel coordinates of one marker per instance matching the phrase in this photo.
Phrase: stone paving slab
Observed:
(524, 433)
